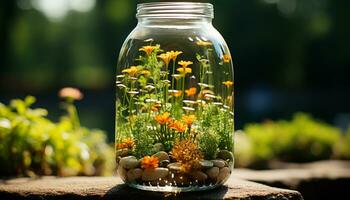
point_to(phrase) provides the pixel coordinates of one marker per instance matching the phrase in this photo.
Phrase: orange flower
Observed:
(127, 143)
(155, 107)
(163, 118)
(132, 71)
(228, 83)
(177, 93)
(166, 57)
(226, 58)
(149, 162)
(178, 126)
(173, 54)
(120, 146)
(192, 91)
(189, 119)
(149, 49)
(185, 64)
(203, 43)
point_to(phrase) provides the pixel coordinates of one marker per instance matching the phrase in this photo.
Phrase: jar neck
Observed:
(174, 13)
(173, 22)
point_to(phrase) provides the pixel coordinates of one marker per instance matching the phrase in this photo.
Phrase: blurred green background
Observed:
(289, 55)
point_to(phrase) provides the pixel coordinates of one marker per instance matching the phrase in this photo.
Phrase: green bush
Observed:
(302, 139)
(342, 148)
(33, 145)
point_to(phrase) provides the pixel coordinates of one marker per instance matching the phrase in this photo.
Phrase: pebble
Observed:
(122, 152)
(134, 174)
(213, 172)
(122, 173)
(164, 163)
(154, 174)
(225, 155)
(175, 167)
(129, 162)
(199, 176)
(206, 164)
(162, 155)
(219, 163)
(224, 174)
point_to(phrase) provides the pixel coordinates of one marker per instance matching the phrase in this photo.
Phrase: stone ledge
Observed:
(317, 180)
(112, 188)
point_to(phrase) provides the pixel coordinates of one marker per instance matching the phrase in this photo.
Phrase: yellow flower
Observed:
(166, 57)
(178, 126)
(149, 162)
(177, 93)
(190, 92)
(189, 119)
(203, 43)
(228, 83)
(173, 54)
(185, 64)
(145, 73)
(163, 118)
(132, 71)
(226, 58)
(184, 71)
(148, 49)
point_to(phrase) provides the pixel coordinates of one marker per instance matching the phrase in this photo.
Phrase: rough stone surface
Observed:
(112, 188)
(316, 180)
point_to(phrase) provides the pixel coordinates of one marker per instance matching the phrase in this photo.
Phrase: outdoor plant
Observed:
(301, 139)
(31, 144)
(175, 118)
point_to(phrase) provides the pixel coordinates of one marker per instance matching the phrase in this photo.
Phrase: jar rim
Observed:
(183, 10)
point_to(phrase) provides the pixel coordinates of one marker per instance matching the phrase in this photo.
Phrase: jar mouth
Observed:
(181, 10)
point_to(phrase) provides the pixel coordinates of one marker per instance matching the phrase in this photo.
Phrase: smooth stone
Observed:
(213, 172)
(162, 155)
(122, 152)
(219, 163)
(134, 174)
(129, 162)
(175, 166)
(158, 147)
(224, 174)
(225, 155)
(199, 176)
(206, 164)
(164, 163)
(154, 174)
(122, 173)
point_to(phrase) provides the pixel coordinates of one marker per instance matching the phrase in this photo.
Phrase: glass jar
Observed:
(174, 106)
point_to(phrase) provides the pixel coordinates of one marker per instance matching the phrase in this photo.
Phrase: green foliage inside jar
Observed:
(171, 123)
